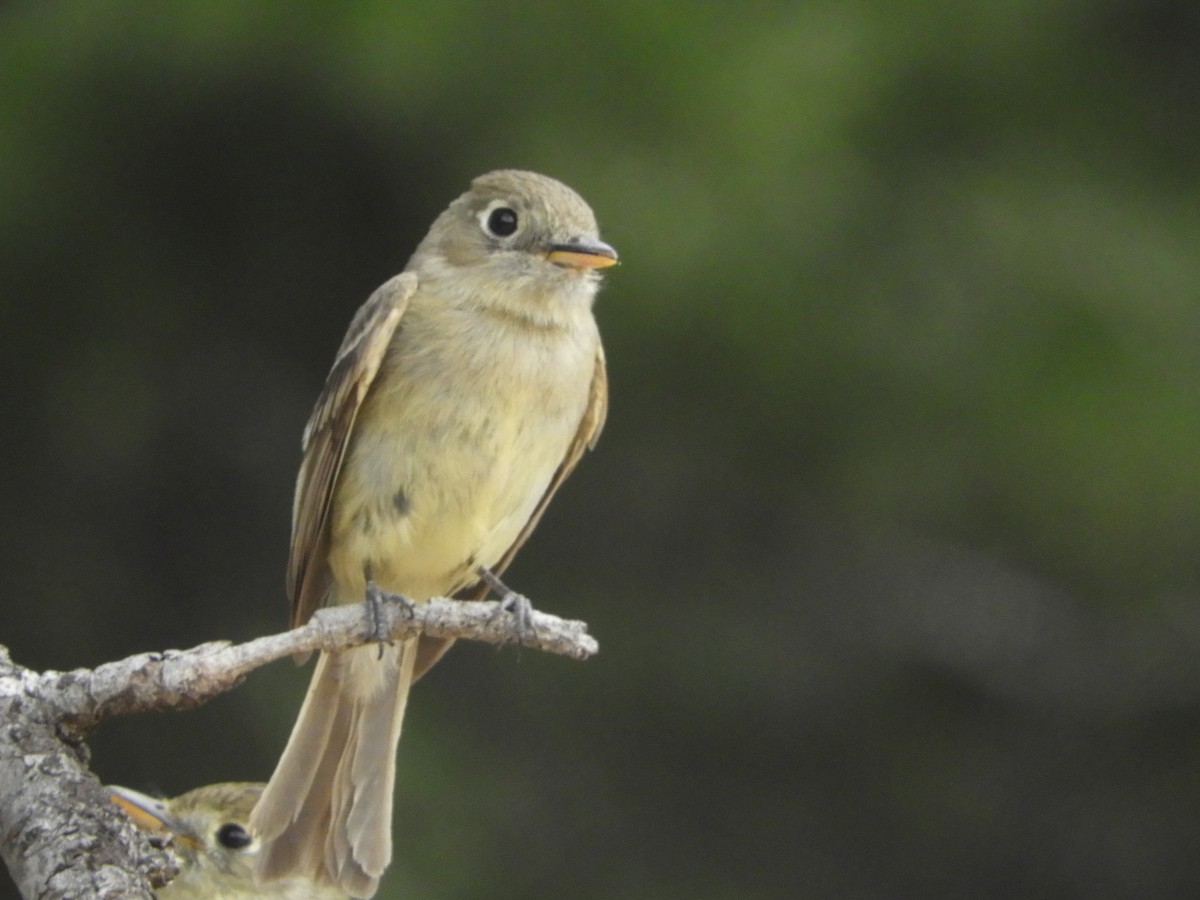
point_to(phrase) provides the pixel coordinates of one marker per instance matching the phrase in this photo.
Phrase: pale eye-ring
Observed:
(500, 221)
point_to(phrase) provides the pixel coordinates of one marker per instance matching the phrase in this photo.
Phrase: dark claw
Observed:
(375, 598)
(522, 610)
(512, 602)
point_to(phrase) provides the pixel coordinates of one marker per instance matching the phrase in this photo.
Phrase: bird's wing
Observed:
(585, 439)
(431, 649)
(327, 436)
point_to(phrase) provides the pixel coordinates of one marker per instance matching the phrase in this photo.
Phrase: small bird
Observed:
(209, 831)
(464, 393)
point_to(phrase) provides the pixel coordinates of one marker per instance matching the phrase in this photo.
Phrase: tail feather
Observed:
(327, 810)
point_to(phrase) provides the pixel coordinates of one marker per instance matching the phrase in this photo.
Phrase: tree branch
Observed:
(59, 835)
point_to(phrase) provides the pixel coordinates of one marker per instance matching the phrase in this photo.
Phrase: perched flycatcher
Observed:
(465, 391)
(209, 829)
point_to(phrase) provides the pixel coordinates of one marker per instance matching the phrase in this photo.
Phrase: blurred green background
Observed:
(891, 544)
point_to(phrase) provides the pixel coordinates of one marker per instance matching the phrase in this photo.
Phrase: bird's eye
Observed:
(502, 221)
(233, 836)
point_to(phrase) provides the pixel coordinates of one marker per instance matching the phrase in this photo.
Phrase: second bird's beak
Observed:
(594, 255)
(148, 813)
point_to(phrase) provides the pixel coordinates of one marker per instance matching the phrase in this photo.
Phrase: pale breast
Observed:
(467, 422)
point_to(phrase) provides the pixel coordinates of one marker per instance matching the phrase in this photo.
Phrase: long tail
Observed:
(327, 810)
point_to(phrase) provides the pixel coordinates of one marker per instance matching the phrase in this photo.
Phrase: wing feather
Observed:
(327, 436)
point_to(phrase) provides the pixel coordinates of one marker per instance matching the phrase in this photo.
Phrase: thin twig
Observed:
(180, 679)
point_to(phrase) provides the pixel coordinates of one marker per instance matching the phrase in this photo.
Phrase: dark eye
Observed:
(502, 222)
(233, 836)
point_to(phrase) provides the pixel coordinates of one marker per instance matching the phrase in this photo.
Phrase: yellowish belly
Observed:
(447, 465)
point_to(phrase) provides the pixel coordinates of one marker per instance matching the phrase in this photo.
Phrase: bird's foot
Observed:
(511, 602)
(375, 598)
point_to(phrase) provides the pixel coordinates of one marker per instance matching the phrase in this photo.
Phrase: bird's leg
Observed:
(375, 598)
(511, 601)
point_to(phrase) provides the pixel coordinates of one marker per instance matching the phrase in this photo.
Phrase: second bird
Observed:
(464, 392)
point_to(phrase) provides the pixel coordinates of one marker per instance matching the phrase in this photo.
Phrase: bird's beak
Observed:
(148, 813)
(594, 255)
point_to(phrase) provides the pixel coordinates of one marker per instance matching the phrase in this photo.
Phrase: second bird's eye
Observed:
(233, 836)
(502, 222)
